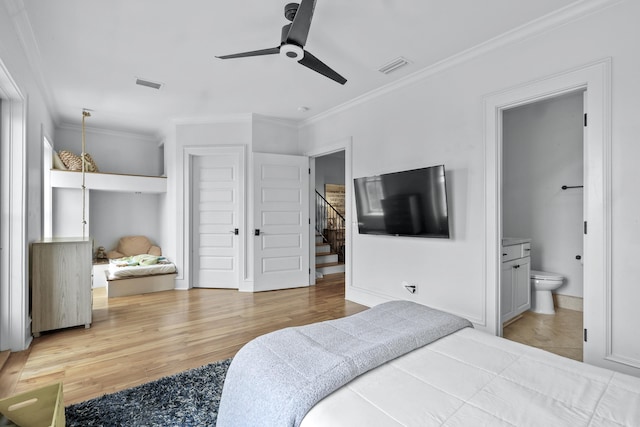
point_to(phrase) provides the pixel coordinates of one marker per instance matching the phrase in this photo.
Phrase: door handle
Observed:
(256, 232)
(235, 231)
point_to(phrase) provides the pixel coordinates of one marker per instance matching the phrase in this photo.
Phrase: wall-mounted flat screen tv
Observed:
(407, 203)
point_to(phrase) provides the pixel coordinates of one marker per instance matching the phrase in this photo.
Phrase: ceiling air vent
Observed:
(393, 65)
(148, 83)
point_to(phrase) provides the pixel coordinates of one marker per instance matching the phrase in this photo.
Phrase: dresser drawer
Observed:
(520, 250)
(511, 252)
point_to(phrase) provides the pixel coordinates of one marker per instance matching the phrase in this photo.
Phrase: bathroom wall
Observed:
(542, 151)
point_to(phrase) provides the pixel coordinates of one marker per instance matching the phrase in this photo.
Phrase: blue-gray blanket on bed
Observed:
(275, 379)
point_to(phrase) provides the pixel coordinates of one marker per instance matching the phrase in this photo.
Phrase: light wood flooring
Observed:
(140, 338)
(560, 333)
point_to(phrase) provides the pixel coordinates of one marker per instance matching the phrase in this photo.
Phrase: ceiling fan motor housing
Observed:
(291, 51)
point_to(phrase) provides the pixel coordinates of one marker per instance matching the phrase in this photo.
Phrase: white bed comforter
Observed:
(471, 378)
(117, 271)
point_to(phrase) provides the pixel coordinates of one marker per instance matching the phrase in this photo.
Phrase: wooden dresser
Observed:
(61, 283)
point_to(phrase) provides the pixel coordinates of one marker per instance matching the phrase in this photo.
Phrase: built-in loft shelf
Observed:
(109, 181)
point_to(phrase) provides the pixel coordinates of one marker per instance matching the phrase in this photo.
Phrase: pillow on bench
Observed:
(134, 245)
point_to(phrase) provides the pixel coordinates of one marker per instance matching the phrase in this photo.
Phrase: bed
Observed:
(464, 377)
(126, 276)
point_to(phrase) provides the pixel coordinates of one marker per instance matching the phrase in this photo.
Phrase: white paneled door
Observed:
(281, 221)
(217, 193)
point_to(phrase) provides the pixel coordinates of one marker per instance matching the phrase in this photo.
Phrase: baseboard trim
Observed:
(510, 321)
(569, 302)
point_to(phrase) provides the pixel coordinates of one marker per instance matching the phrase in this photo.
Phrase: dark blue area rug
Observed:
(190, 398)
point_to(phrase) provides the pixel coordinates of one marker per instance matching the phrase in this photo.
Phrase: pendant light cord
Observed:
(85, 114)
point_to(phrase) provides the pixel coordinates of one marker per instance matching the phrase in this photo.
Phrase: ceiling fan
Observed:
(293, 39)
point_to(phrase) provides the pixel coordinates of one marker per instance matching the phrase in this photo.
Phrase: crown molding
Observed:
(216, 119)
(550, 21)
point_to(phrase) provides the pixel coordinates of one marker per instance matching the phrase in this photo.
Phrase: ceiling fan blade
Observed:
(318, 66)
(301, 23)
(270, 51)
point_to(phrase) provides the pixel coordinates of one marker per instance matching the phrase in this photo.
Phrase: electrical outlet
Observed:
(412, 289)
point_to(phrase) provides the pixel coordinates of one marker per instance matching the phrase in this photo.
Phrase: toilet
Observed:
(542, 283)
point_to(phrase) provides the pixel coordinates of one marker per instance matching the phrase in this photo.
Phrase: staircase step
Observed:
(330, 268)
(319, 238)
(326, 258)
(324, 247)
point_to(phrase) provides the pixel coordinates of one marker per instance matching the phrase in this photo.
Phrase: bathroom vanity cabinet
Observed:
(515, 283)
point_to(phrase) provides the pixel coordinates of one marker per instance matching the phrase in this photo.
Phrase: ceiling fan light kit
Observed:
(291, 51)
(293, 39)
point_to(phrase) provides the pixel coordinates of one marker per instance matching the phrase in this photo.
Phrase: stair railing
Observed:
(331, 225)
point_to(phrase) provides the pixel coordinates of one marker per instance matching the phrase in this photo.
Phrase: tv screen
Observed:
(408, 203)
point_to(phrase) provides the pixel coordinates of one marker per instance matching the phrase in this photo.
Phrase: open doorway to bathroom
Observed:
(543, 212)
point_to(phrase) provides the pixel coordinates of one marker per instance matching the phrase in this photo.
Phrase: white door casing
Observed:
(595, 79)
(343, 144)
(15, 329)
(281, 221)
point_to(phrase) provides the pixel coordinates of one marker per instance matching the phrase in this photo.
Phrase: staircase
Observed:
(327, 262)
(330, 238)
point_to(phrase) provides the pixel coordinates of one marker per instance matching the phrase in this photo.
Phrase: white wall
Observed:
(439, 119)
(15, 332)
(269, 135)
(542, 151)
(118, 214)
(110, 215)
(114, 152)
(232, 131)
(254, 132)
(66, 212)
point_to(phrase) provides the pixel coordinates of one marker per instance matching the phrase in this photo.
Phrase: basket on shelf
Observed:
(73, 162)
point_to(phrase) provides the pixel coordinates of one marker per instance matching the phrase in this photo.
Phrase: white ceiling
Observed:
(88, 53)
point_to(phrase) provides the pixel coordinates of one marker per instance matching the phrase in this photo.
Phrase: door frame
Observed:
(595, 79)
(344, 144)
(194, 151)
(47, 190)
(15, 330)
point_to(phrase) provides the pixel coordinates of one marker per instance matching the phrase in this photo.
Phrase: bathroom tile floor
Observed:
(560, 333)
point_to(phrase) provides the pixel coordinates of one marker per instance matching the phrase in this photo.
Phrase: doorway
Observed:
(542, 201)
(329, 209)
(343, 145)
(595, 79)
